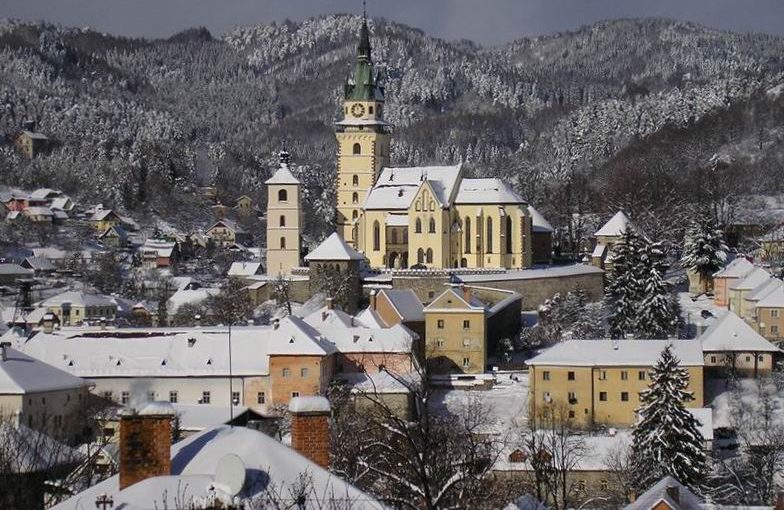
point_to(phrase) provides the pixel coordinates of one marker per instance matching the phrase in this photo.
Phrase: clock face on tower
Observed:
(357, 110)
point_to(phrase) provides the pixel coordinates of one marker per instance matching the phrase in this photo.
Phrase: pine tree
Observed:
(667, 441)
(704, 251)
(625, 289)
(659, 311)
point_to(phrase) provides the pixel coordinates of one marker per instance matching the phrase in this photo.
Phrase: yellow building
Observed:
(730, 344)
(284, 219)
(743, 287)
(606, 238)
(72, 308)
(428, 216)
(104, 219)
(770, 315)
(455, 333)
(600, 381)
(31, 143)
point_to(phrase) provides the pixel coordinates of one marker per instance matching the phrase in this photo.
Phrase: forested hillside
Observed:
(630, 112)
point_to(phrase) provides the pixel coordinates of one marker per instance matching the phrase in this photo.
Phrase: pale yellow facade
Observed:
(744, 363)
(599, 395)
(770, 322)
(284, 226)
(455, 336)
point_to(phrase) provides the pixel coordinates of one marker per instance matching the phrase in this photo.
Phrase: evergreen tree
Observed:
(659, 312)
(667, 440)
(704, 251)
(625, 288)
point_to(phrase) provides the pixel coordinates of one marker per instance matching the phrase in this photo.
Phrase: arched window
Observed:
(283, 195)
(489, 235)
(370, 110)
(355, 198)
(282, 243)
(509, 234)
(376, 236)
(354, 214)
(357, 149)
(467, 229)
(418, 228)
(420, 256)
(432, 226)
(355, 180)
(430, 255)
(282, 221)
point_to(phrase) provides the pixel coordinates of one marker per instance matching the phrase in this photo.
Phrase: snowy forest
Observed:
(629, 113)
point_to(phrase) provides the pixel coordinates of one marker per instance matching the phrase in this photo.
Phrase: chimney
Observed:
(779, 503)
(324, 316)
(145, 443)
(197, 320)
(373, 297)
(102, 322)
(4, 346)
(275, 323)
(674, 493)
(48, 322)
(466, 292)
(330, 303)
(310, 428)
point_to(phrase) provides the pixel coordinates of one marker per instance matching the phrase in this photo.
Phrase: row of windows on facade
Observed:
(440, 343)
(760, 357)
(445, 362)
(466, 324)
(508, 236)
(572, 398)
(641, 375)
(206, 397)
(57, 420)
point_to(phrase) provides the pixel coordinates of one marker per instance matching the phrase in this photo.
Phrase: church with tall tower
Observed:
(422, 217)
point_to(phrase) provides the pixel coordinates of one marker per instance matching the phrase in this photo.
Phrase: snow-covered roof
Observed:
(34, 135)
(731, 333)
(452, 293)
(659, 493)
(174, 352)
(599, 353)
(599, 250)
(379, 382)
(159, 247)
(368, 317)
(189, 297)
(102, 214)
(14, 269)
(533, 273)
(540, 223)
(773, 300)
(51, 253)
(764, 289)
(29, 451)
(20, 374)
(43, 193)
(77, 298)
(615, 227)
(486, 191)
(282, 176)
(334, 248)
(229, 224)
(244, 268)
(269, 465)
(397, 187)
(38, 211)
(397, 220)
(756, 277)
(395, 340)
(738, 268)
(62, 203)
(309, 404)
(405, 303)
(326, 316)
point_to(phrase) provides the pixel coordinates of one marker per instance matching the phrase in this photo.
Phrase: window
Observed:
(774, 314)
(173, 397)
(294, 394)
(235, 398)
(774, 330)
(466, 324)
(581, 486)
(205, 397)
(641, 375)
(282, 222)
(761, 357)
(303, 372)
(106, 394)
(354, 214)
(430, 255)
(151, 396)
(355, 180)
(124, 397)
(376, 236)
(624, 375)
(431, 228)
(282, 243)
(283, 196)
(440, 342)
(356, 149)
(370, 110)
(603, 396)
(466, 342)
(489, 235)
(355, 198)
(393, 236)
(286, 372)
(570, 376)
(509, 237)
(603, 485)
(748, 359)
(624, 396)
(546, 375)
(572, 397)
(466, 362)
(602, 375)
(467, 229)
(713, 359)
(418, 227)
(261, 397)
(571, 413)
(440, 324)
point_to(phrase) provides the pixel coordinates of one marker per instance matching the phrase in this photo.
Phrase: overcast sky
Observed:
(484, 21)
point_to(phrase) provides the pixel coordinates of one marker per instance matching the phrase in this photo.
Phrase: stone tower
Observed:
(284, 219)
(363, 138)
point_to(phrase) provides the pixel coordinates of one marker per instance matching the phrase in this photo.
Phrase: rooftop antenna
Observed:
(364, 10)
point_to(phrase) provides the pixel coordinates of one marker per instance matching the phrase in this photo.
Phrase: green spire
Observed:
(362, 85)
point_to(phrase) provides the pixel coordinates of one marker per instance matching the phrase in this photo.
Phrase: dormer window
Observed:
(209, 361)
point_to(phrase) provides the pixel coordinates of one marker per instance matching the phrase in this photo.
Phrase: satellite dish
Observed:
(230, 474)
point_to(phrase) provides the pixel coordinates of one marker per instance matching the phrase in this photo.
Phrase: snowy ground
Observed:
(506, 403)
(750, 391)
(693, 310)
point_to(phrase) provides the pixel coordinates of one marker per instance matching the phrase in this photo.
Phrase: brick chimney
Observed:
(779, 503)
(310, 428)
(466, 292)
(373, 297)
(674, 493)
(48, 321)
(330, 303)
(145, 443)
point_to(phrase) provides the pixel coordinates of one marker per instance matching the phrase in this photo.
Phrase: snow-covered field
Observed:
(506, 403)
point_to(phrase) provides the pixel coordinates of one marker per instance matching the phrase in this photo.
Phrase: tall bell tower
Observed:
(284, 219)
(363, 138)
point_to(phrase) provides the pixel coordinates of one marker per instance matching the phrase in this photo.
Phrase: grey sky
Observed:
(484, 21)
